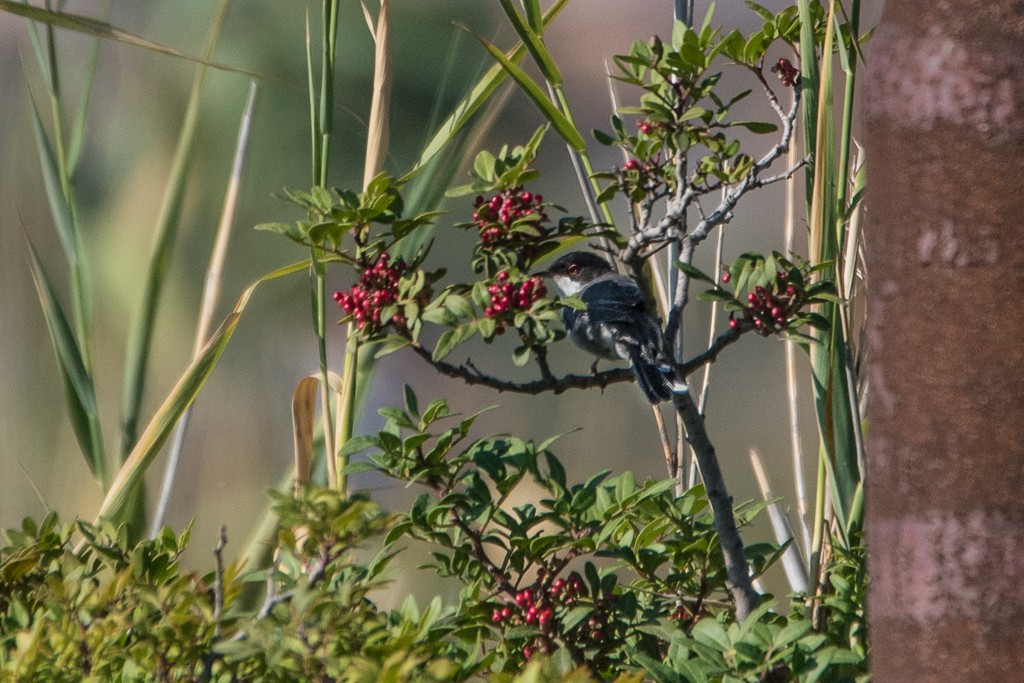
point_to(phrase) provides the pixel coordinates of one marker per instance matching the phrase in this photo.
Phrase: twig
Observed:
(218, 582)
(481, 555)
(218, 602)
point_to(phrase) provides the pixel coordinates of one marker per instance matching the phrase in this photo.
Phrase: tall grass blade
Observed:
(165, 234)
(828, 360)
(480, 93)
(104, 30)
(211, 297)
(808, 87)
(60, 195)
(78, 126)
(78, 385)
(378, 134)
(314, 119)
(562, 125)
(180, 398)
(792, 564)
(321, 150)
(792, 385)
(60, 208)
(534, 45)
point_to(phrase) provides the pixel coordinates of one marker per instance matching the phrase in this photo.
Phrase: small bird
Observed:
(615, 323)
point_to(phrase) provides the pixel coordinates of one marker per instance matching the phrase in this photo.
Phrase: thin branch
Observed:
(470, 374)
(676, 207)
(723, 212)
(737, 569)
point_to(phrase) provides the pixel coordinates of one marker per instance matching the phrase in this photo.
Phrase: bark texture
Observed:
(945, 516)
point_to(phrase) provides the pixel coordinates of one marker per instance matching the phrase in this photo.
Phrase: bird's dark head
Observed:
(576, 269)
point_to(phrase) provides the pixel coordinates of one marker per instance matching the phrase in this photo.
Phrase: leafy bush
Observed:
(608, 577)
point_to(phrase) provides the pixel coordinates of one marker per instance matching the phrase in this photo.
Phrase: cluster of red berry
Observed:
(536, 607)
(786, 72)
(770, 308)
(377, 287)
(508, 298)
(495, 216)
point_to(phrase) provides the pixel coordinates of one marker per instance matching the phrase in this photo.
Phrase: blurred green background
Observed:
(239, 443)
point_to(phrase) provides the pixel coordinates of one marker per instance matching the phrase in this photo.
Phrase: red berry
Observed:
(726, 277)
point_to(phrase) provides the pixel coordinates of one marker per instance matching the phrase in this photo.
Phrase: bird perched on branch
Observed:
(615, 322)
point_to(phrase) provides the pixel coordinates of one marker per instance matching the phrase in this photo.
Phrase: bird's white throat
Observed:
(567, 286)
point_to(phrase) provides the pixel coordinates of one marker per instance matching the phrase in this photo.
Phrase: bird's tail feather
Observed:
(657, 383)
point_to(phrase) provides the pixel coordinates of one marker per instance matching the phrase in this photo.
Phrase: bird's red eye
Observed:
(573, 269)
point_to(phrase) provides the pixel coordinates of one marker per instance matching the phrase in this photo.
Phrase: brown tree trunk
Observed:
(945, 516)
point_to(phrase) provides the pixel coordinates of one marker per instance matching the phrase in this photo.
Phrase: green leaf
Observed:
(483, 166)
(694, 272)
(521, 356)
(759, 127)
(762, 12)
(792, 632)
(390, 345)
(359, 468)
(603, 137)
(357, 444)
(289, 230)
(452, 338)
(459, 305)
(716, 295)
(573, 302)
(712, 633)
(574, 617)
